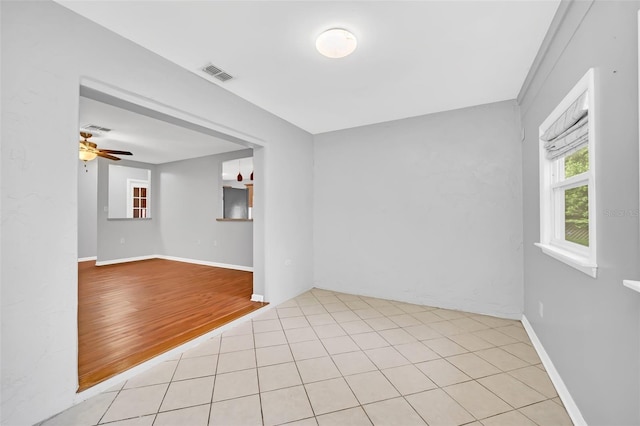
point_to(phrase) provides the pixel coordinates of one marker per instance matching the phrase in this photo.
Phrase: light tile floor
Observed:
(327, 358)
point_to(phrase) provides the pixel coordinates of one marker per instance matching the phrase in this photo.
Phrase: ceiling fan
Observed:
(89, 150)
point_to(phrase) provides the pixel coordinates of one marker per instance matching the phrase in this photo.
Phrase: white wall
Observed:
(424, 210)
(118, 187)
(190, 201)
(87, 208)
(591, 327)
(44, 57)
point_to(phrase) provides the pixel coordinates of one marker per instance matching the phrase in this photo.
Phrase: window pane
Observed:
(576, 215)
(576, 163)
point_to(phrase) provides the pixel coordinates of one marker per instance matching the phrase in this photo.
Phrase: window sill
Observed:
(224, 219)
(571, 259)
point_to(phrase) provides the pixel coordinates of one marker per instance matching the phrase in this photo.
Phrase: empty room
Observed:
(442, 228)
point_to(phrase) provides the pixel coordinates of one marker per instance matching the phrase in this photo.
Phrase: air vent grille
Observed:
(94, 128)
(216, 72)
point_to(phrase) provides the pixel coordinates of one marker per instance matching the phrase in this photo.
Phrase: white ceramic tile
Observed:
(438, 408)
(266, 325)
(411, 309)
(351, 416)
(370, 340)
(136, 402)
(285, 405)
(236, 343)
(536, 379)
(245, 411)
(357, 304)
(208, 347)
(501, 359)
(270, 338)
(320, 319)
(371, 387)
(444, 347)
(189, 368)
(404, 320)
(523, 351)
(234, 361)
(88, 412)
(510, 418)
(471, 342)
(469, 324)
(427, 317)
(442, 372)
(547, 413)
(273, 355)
(289, 312)
(422, 332)
(449, 314)
(192, 416)
(353, 363)
(381, 323)
(407, 379)
(397, 336)
(356, 327)
(306, 350)
(278, 376)
(390, 310)
(233, 385)
(495, 337)
(303, 334)
(268, 315)
(316, 369)
(336, 307)
(515, 331)
(313, 309)
(386, 357)
(511, 390)
(136, 421)
(161, 373)
(294, 322)
(477, 400)
(330, 395)
(188, 393)
(340, 344)
(345, 316)
(368, 313)
(393, 412)
(239, 329)
(416, 352)
(472, 365)
(329, 330)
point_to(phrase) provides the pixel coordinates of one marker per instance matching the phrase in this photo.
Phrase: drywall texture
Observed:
(590, 327)
(44, 58)
(87, 209)
(125, 238)
(190, 201)
(425, 210)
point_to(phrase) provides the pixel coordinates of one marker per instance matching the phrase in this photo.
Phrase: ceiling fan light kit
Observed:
(89, 151)
(336, 43)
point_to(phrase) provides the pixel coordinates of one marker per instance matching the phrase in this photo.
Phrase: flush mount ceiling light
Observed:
(336, 43)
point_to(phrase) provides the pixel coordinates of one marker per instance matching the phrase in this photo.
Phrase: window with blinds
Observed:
(567, 179)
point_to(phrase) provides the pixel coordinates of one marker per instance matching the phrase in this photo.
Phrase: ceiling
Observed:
(413, 57)
(150, 140)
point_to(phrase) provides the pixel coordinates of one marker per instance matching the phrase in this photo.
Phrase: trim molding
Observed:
(124, 260)
(563, 392)
(206, 263)
(257, 298)
(86, 259)
(176, 259)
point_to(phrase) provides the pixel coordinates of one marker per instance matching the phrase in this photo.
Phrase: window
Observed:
(567, 179)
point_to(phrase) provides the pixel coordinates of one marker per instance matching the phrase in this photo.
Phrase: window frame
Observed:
(553, 186)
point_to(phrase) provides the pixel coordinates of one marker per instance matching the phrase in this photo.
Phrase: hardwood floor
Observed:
(130, 312)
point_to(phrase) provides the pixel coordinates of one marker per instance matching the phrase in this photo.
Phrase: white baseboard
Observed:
(206, 263)
(124, 260)
(86, 259)
(563, 392)
(257, 298)
(174, 258)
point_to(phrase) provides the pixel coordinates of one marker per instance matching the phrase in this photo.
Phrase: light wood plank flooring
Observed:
(130, 312)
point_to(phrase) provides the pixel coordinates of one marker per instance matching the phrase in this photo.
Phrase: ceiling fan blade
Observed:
(114, 151)
(107, 156)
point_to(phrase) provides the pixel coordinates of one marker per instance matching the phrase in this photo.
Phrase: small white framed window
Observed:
(567, 179)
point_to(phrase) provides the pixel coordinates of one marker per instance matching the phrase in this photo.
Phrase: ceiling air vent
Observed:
(216, 72)
(93, 128)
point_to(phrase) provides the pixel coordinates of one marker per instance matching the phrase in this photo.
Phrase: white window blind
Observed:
(570, 132)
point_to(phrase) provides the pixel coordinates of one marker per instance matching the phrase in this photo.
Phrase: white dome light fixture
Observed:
(336, 43)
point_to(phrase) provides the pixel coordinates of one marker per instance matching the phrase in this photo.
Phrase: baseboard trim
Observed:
(206, 263)
(257, 298)
(86, 259)
(174, 258)
(563, 392)
(124, 260)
